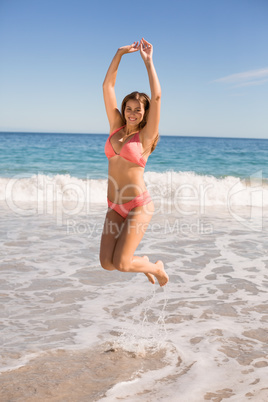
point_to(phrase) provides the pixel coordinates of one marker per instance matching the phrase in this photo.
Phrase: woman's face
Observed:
(134, 112)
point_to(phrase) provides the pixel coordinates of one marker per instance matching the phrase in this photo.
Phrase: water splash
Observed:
(147, 332)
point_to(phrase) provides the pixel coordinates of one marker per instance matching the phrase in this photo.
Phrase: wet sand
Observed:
(74, 376)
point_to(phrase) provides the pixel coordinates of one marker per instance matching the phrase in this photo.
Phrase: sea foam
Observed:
(176, 188)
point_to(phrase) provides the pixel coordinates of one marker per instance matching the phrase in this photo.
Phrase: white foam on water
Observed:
(176, 188)
(209, 325)
(215, 320)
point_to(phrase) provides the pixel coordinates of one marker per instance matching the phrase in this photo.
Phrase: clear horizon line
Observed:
(105, 134)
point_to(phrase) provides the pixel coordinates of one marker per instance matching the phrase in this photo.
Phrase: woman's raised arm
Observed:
(112, 111)
(151, 128)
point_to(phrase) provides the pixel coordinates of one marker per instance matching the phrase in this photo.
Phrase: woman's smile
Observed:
(134, 112)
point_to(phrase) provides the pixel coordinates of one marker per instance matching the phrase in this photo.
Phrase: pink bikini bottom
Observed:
(124, 209)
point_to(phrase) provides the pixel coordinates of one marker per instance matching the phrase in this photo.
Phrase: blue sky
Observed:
(211, 57)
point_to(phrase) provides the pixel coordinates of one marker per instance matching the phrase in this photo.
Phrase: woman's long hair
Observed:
(145, 100)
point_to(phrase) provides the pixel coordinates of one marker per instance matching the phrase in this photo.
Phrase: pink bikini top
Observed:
(131, 150)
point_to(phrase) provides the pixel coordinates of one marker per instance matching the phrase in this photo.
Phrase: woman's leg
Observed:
(111, 230)
(130, 236)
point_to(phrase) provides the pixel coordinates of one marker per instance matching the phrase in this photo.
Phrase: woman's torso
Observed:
(126, 166)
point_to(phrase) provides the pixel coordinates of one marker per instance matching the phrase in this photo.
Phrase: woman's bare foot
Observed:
(149, 276)
(161, 276)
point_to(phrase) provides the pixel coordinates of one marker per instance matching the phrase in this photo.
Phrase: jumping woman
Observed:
(133, 136)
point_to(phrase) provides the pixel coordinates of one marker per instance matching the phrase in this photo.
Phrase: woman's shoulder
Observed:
(147, 138)
(117, 124)
(115, 130)
(147, 135)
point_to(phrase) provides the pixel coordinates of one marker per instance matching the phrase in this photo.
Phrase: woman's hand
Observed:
(146, 50)
(129, 48)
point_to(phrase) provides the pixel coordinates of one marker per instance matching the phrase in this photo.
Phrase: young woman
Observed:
(133, 136)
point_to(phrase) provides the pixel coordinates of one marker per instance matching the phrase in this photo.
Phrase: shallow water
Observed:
(82, 155)
(116, 336)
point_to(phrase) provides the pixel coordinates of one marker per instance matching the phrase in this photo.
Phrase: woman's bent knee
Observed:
(106, 264)
(122, 265)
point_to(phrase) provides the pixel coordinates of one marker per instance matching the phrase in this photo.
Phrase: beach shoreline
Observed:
(204, 336)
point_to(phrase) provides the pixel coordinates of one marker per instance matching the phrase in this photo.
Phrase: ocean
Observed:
(71, 331)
